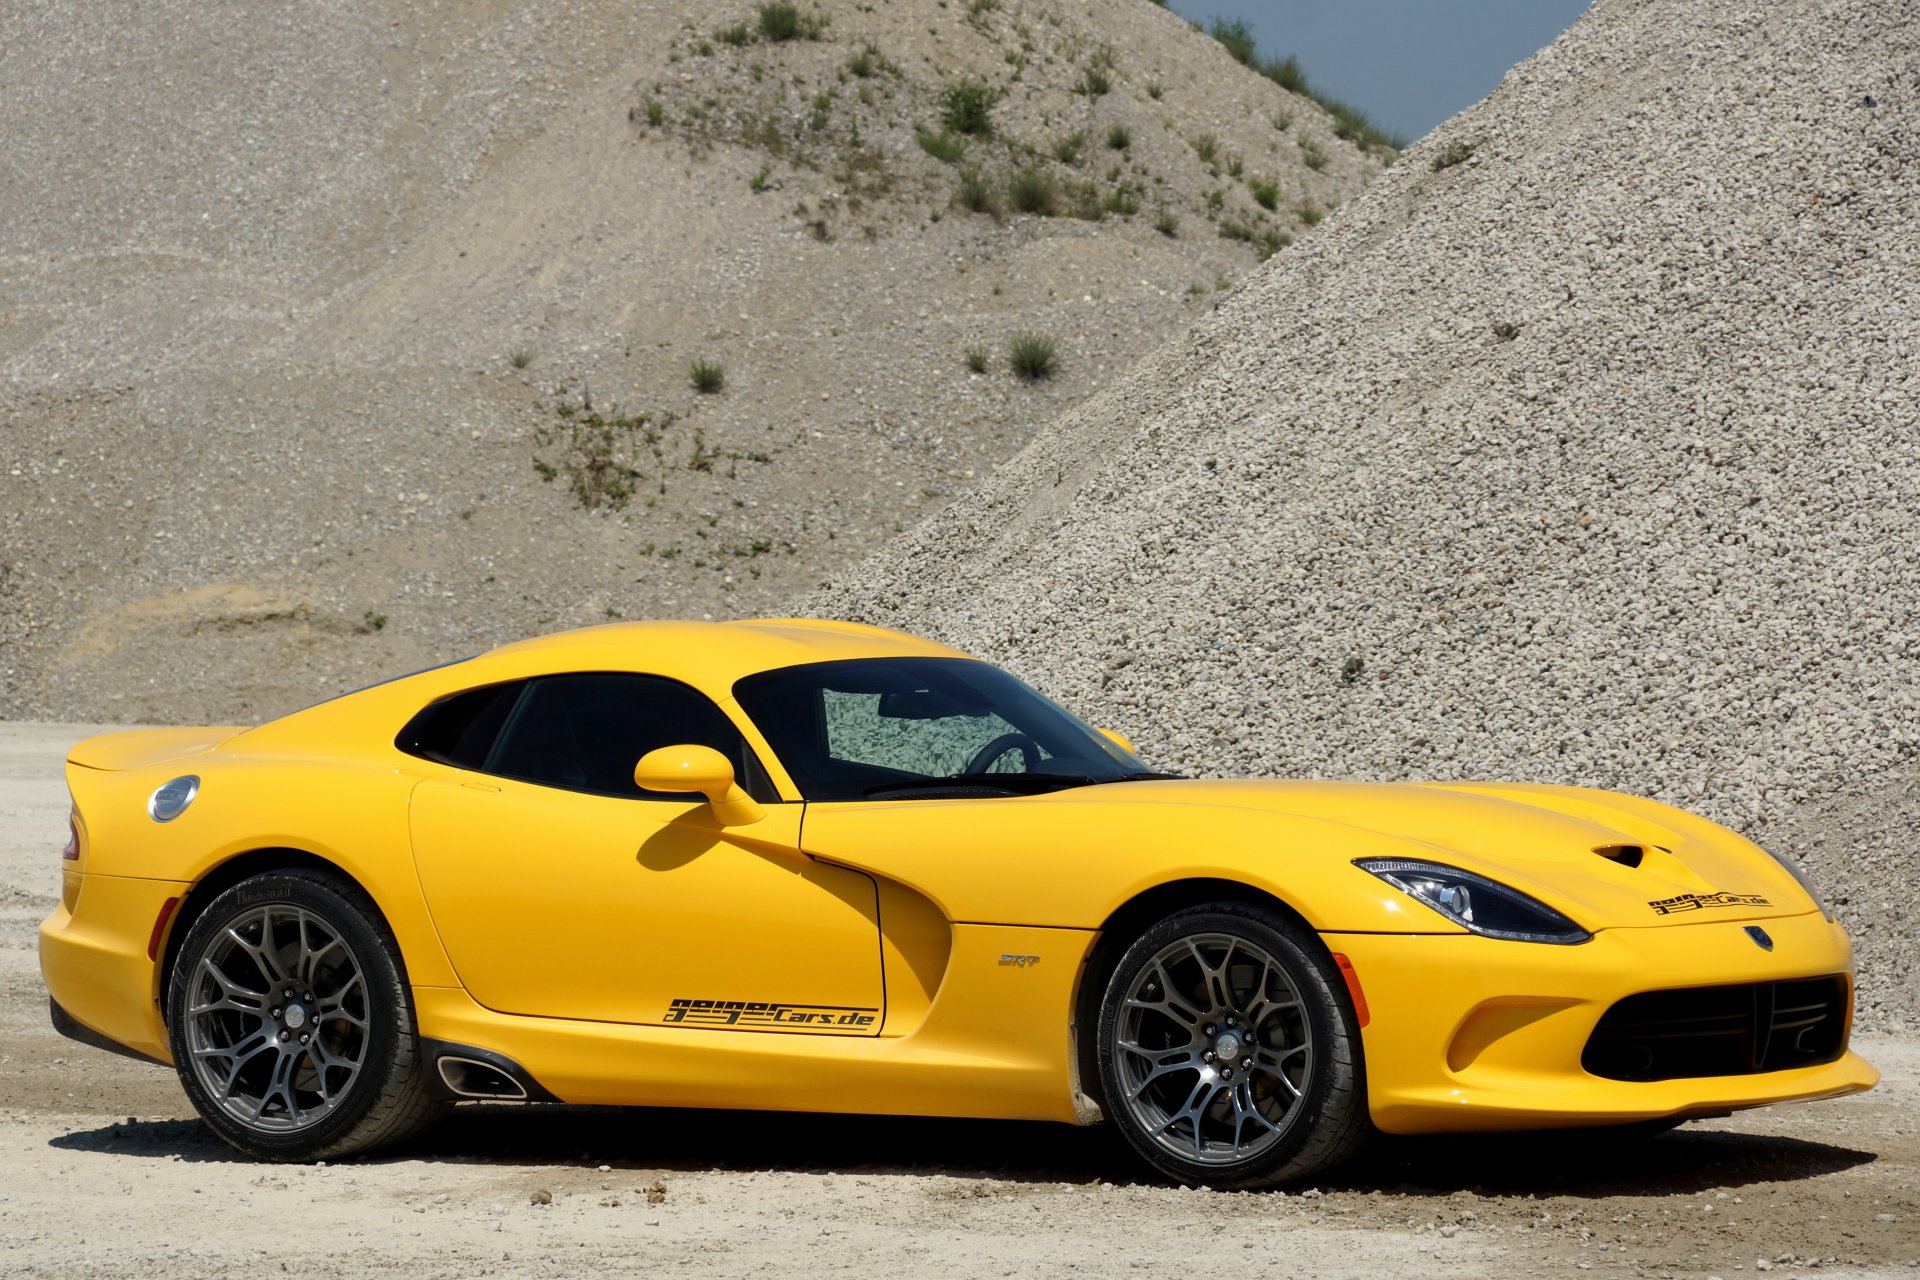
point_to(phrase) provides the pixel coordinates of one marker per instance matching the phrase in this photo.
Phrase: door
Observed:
(560, 889)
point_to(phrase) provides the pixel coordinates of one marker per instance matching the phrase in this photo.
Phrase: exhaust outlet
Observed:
(471, 1078)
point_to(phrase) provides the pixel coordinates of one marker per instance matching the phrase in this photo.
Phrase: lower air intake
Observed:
(1720, 1031)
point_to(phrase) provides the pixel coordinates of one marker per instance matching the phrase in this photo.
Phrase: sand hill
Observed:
(338, 341)
(1583, 447)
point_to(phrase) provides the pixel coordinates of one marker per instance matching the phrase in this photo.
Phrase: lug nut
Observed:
(1207, 1056)
(275, 1011)
(1226, 1073)
(308, 997)
(1210, 1030)
(285, 1034)
(303, 1039)
(1232, 1021)
(289, 993)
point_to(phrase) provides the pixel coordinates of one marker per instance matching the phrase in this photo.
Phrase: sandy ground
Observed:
(103, 1171)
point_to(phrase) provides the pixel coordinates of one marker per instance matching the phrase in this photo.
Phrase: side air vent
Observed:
(1627, 855)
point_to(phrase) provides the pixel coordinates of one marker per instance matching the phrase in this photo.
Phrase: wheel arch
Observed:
(244, 866)
(1117, 932)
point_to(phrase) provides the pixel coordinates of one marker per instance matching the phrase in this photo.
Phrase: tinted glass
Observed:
(586, 732)
(845, 728)
(460, 730)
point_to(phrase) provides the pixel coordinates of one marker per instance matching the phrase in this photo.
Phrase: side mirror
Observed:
(1117, 739)
(688, 767)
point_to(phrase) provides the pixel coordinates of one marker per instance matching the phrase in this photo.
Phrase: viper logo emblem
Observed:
(1020, 962)
(1761, 938)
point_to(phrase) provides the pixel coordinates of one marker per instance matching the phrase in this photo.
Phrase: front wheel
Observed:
(291, 1023)
(1228, 1050)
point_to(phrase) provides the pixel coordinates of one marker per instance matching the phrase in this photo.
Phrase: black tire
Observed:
(1152, 1056)
(336, 1069)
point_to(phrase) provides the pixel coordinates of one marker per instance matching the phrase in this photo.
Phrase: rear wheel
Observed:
(1228, 1051)
(291, 1023)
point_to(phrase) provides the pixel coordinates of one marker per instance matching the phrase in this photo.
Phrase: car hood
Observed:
(1606, 859)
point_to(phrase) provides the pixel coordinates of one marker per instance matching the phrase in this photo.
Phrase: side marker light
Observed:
(160, 927)
(1345, 966)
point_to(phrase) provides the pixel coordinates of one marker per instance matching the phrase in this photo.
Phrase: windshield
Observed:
(879, 727)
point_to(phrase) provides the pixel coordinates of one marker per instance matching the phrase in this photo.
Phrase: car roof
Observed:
(707, 655)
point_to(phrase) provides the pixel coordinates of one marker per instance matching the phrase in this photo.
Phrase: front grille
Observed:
(1720, 1031)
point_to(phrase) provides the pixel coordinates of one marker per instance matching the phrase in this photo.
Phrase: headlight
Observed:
(1805, 883)
(1476, 903)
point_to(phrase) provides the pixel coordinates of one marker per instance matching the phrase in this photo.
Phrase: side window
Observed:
(586, 732)
(460, 730)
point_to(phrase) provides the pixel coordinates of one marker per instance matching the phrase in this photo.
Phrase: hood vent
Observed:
(1627, 855)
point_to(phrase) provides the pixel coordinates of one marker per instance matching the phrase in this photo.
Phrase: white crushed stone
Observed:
(1663, 536)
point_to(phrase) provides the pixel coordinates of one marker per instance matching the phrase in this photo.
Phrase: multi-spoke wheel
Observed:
(1228, 1052)
(290, 1021)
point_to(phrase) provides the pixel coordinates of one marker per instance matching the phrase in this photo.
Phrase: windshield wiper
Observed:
(1146, 775)
(1027, 782)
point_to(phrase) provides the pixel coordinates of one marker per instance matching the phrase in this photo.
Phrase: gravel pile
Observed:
(1583, 447)
(300, 316)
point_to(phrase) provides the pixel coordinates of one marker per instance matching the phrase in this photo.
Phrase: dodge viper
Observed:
(819, 866)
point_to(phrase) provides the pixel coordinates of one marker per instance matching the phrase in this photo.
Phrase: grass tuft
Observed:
(707, 376)
(780, 22)
(975, 194)
(1167, 225)
(1266, 241)
(967, 107)
(1031, 355)
(977, 359)
(1033, 190)
(1236, 37)
(1119, 137)
(868, 62)
(1314, 155)
(520, 358)
(945, 145)
(1266, 193)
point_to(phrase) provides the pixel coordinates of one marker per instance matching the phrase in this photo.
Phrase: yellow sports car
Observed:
(825, 867)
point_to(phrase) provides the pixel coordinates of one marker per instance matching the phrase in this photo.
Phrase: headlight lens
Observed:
(1805, 883)
(1483, 906)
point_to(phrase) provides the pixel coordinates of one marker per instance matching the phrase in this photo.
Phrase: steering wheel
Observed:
(1028, 748)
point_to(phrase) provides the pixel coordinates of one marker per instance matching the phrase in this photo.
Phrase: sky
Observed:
(1409, 64)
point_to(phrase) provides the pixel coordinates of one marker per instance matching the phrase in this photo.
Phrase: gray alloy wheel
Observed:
(291, 1023)
(277, 1028)
(1228, 1053)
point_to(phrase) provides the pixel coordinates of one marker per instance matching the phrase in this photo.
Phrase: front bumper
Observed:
(94, 961)
(1471, 1033)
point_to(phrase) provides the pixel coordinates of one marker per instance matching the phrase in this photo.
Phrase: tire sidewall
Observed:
(389, 1013)
(1328, 1015)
